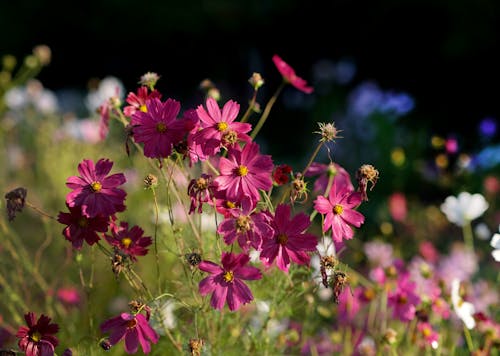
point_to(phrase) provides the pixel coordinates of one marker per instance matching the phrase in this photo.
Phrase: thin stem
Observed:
(468, 237)
(156, 242)
(313, 156)
(267, 110)
(468, 339)
(41, 212)
(250, 107)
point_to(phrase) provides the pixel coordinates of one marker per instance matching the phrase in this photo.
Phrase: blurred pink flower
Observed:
(404, 299)
(289, 75)
(397, 206)
(69, 295)
(324, 172)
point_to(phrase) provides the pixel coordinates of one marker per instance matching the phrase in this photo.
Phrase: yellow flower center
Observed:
(96, 186)
(83, 222)
(143, 108)
(242, 171)
(222, 126)
(36, 336)
(426, 332)
(126, 241)
(229, 204)
(228, 276)
(338, 209)
(282, 239)
(161, 127)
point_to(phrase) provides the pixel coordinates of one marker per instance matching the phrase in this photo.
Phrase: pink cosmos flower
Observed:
(246, 225)
(225, 282)
(135, 329)
(324, 172)
(94, 191)
(219, 128)
(397, 206)
(349, 305)
(37, 339)
(404, 299)
(428, 334)
(158, 127)
(245, 172)
(69, 295)
(138, 101)
(289, 75)
(129, 241)
(339, 210)
(80, 228)
(289, 241)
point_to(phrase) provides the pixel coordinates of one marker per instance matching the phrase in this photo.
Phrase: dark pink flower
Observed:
(281, 174)
(289, 242)
(245, 172)
(81, 228)
(225, 282)
(339, 210)
(158, 127)
(289, 75)
(323, 172)
(69, 295)
(37, 339)
(404, 299)
(94, 191)
(349, 305)
(129, 241)
(218, 128)
(135, 329)
(138, 101)
(428, 334)
(246, 225)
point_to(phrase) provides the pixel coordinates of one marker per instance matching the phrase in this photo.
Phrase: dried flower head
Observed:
(366, 173)
(327, 263)
(15, 201)
(339, 281)
(149, 79)
(299, 189)
(193, 258)
(328, 132)
(150, 181)
(195, 346)
(256, 81)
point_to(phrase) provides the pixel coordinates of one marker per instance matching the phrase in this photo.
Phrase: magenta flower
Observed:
(158, 127)
(130, 242)
(339, 210)
(219, 128)
(289, 75)
(135, 329)
(246, 225)
(324, 172)
(94, 191)
(225, 282)
(80, 228)
(245, 172)
(404, 299)
(428, 334)
(289, 241)
(37, 339)
(138, 101)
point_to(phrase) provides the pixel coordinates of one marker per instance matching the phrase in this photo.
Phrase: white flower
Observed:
(482, 231)
(108, 87)
(495, 243)
(464, 309)
(464, 208)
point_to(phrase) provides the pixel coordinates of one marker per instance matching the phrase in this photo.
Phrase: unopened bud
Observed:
(256, 81)
(9, 62)
(43, 53)
(390, 336)
(149, 79)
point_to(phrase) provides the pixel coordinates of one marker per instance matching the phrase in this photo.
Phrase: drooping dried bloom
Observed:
(15, 201)
(299, 189)
(366, 173)
(135, 329)
(37, 339)
(200, 190)
(94, 191)
(81, 228)
(150, 181)
(226, 282)
(195, 347)
(289, 75)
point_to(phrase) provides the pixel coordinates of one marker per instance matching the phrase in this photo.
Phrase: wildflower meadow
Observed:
(153, 224)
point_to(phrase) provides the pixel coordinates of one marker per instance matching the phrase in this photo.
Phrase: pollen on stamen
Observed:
(143, 108)
(228, 276)
(36, 336)
(338, 209)
(242, 171)
(96, 186)
(126, 242)
(161, 127)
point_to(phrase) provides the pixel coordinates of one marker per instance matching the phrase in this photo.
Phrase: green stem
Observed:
(468, 237)
(250, 107)
(156, 242)
(267, 110)
(468, 339)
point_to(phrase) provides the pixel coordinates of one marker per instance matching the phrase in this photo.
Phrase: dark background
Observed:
(443, 53)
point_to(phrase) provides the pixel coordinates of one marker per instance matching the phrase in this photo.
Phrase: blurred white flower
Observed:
(464, 310)
(464, 208)
(32, 94)
(495, 243)
(108, 87)
(482, 231)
